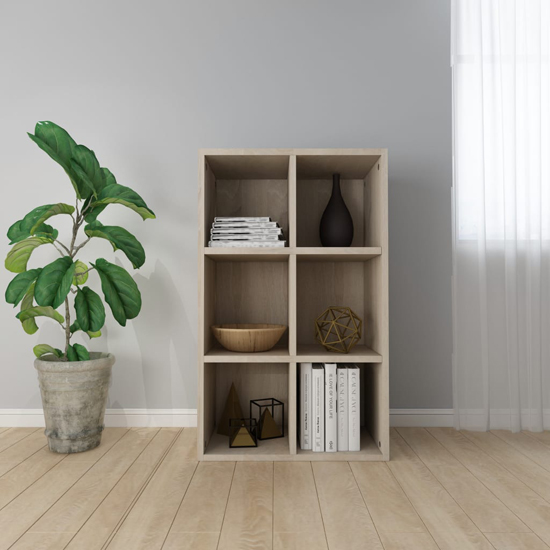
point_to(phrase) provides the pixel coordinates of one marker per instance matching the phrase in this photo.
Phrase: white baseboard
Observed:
(187, 418)
(114, 418)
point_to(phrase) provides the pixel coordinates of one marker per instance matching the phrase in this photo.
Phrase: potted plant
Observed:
(74, 382)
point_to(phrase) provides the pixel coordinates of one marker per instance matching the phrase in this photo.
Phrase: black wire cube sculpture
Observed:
(270, 413)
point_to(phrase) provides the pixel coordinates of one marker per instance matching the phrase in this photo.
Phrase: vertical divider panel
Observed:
(292, 297)
(292, 201)
(292, 408)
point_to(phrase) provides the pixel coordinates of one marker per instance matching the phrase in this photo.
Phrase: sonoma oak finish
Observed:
(143, 488)
(293, 285)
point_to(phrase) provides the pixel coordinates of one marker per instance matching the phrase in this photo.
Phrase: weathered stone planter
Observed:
(74, 396)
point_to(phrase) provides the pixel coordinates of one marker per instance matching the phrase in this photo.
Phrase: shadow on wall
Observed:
(164, 337)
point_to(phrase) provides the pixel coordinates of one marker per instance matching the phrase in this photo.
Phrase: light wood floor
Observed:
(143, 489)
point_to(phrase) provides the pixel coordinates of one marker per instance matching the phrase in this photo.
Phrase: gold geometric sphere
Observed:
(338, 329)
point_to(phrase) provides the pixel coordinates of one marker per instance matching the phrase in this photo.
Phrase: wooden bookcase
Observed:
(292, 286)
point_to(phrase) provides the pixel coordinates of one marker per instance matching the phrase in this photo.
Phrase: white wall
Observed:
(145, 84)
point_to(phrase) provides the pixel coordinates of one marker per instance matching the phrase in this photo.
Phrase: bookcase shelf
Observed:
(292, 286)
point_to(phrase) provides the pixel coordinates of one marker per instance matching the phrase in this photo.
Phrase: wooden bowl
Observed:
(248, 338)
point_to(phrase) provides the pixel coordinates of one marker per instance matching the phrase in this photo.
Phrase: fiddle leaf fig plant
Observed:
(42, 290)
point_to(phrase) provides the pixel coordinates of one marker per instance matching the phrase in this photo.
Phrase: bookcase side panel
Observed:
(208, 210)
(376, 280)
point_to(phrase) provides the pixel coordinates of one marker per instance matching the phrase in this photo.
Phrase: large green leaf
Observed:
(85, 164)
(53, 210)
(54, 283)
(71, 354)
(121, 291)
(43, 349)
(118, 194)
(29, 325)
(81, 352)
(76, 327)
(38, 311)
(57, 143)
(21, 229)
(90, 311)
(20, 285)
(80, 273)
(18, 256)
(120, 239)
(93, 213)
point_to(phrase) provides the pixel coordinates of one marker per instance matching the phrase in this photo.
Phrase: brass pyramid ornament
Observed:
(338, 329)
(243, 432)
(232, 410)
(242, 438)
(268, 427)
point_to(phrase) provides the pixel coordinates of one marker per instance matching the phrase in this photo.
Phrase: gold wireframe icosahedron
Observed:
(338, 329)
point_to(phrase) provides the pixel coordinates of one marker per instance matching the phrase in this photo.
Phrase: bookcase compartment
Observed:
(247, 186)
(246, 292)
(373, 423)
(252, 381)
(360, 183)
(322, 284)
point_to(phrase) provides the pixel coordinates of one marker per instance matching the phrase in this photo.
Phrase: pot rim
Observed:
(98, 361)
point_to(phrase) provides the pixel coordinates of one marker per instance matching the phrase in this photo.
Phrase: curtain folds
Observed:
(501, 214)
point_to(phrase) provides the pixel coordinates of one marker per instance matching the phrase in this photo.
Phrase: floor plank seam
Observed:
(428, 532)
(273, 506)
(366, 506)
(227, 502)
(545, 498)
(112, 488)
(24, 460)
(36, 480)
(443, 487)
(133, 502)
(522, 452)
(484, 484)
(318, 503)
(488, 489)
(68, 489)
(535, 438)
(179, 506)
(19, 441)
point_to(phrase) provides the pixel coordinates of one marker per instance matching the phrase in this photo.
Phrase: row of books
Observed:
(246, 232)
(330, 407)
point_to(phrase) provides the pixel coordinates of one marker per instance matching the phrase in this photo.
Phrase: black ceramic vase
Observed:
(336, 227)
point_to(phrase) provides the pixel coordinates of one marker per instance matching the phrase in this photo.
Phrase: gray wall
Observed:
(145, 84)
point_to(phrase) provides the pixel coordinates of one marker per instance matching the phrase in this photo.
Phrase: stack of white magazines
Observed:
(246, 232)
(330, 407)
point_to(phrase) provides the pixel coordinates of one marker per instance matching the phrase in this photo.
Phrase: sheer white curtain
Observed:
(501, 204)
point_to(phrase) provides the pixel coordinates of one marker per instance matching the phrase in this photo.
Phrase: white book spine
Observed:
(354, 409)
(343, 412)
(305, 406)
(318, 379)
(331, 424)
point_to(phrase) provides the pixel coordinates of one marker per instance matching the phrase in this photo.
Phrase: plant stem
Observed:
(81, 245)
(62, 246)
(67, 326)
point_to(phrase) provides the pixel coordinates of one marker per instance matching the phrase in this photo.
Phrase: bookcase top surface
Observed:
(273, 163)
